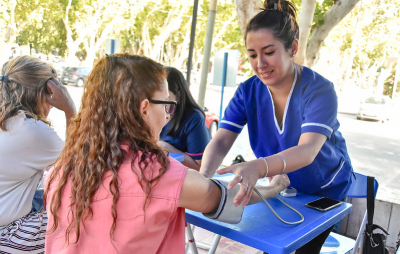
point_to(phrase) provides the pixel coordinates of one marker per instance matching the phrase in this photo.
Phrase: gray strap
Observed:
(277, 216)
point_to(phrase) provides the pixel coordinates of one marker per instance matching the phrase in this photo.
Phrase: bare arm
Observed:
(216, 151)
(61, 99)
(187, 160)
(277, 184)
(199, 193)
(202, 195)
(296, 157)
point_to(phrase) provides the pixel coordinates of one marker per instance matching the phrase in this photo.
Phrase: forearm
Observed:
(267, 192)
(212, 159)
(296, 157)
(216, 151)
(68, 119)
(188, 161)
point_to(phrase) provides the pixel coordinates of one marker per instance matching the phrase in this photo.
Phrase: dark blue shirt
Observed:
(193, 135)
(310, 107)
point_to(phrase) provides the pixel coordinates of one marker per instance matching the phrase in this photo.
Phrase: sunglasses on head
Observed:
(170, 106)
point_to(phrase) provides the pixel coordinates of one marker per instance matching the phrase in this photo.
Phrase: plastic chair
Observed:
(342, 244)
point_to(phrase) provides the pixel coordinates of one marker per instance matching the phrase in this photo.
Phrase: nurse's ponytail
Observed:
(278, 16)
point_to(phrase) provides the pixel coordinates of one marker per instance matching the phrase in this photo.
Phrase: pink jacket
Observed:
(162, 231)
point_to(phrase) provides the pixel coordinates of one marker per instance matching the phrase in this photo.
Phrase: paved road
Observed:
(374, 147)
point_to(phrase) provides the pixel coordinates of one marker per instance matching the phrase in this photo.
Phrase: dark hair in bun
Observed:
(278, 16)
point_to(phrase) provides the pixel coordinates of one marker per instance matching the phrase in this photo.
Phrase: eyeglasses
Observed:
(170, 106)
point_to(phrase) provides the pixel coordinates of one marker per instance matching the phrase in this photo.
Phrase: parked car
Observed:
(75, 75)
(212, 120)
(375, 108)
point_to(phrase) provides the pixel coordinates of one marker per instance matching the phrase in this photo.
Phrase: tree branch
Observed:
(170, 28)
(246, 10)
(305, 23)
(222, 30)
(331, 18)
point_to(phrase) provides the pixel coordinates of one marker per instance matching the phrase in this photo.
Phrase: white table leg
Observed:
(359, 240)
(191, 241)
(214, 244)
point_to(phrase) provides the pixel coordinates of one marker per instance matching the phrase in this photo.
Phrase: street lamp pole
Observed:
(207, 52)
(191, 46)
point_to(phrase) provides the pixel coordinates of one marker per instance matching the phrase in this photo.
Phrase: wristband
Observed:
(284, 164)
(267, 166)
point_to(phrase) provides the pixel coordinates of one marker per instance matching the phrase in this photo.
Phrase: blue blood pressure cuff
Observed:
(226, 211)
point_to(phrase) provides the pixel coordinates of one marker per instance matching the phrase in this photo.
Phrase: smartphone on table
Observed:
(323, 204)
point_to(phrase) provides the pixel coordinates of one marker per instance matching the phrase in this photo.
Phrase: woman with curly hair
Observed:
(28, 90)
(113, 189)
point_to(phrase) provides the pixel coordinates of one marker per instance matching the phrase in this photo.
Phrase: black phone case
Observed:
(325, 209)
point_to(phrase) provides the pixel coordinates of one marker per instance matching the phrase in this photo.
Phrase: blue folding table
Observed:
(260, 229)
(177, 156)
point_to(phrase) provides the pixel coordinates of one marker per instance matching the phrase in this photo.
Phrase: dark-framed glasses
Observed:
(170, 106)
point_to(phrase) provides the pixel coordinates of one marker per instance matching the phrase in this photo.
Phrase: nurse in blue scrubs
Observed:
(291, 114)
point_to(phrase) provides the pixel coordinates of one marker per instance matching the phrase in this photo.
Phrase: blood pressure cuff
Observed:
(226, 211)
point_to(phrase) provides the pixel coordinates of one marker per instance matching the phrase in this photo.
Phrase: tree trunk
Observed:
(222, 31)
(11, 30)
(182, 52)
(146, 40)
(305, 22)
(331, 18)
(171, 27)
(356, 34)
(94, 44)
(72, 45)
(246, 10)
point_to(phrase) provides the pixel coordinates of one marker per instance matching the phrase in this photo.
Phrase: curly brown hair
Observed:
(110, 114)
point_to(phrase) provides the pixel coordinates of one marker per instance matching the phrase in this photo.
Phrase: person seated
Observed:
(186, 131)
(28, 90)
(113, 189)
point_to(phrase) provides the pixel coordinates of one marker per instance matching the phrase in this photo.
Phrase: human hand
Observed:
(246, 174)
(60, 98)
(280, 181)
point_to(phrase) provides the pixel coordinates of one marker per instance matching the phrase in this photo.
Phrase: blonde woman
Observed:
(28, 90)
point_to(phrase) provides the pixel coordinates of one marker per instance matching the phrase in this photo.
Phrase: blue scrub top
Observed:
(311, 107)
(193, 135)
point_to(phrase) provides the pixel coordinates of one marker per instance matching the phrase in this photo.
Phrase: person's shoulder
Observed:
(176, 171)
(39, 128)
(194, 114)
(29, 126)
(38, 137)
(254, 80)
(175, 164)
(314, 77)
(250, 80)
(314, 80)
